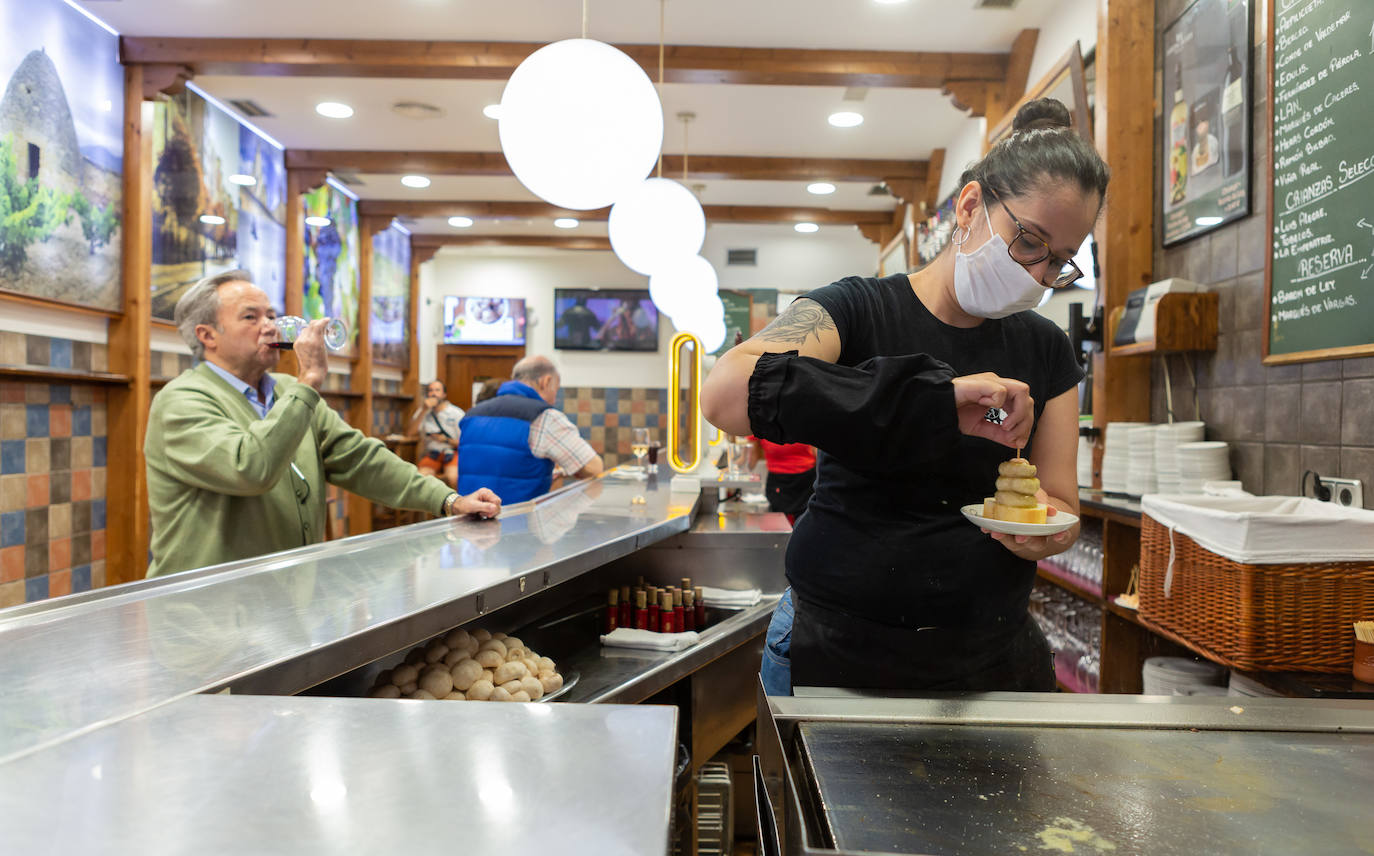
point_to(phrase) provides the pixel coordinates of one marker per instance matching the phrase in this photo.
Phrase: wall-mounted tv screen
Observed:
(484, 320)
(596, 320)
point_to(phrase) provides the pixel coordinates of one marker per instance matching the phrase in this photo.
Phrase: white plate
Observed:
(1063, 520)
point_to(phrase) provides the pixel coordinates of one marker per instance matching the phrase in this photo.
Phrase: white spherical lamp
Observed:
(659, 222)
(705, 320)
(580, 124)
(683, 286)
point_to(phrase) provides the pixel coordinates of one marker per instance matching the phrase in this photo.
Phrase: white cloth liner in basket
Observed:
(1265, 530)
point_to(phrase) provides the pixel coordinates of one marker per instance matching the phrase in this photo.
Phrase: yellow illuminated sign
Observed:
(693, 345)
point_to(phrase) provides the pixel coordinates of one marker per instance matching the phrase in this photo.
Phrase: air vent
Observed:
(994, 4)
(350, 178)
(742, 257)
(417, 110)
(248, 107)
(855, 93)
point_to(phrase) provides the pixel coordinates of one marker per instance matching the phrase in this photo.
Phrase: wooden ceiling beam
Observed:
(1018, 70)
(702, 167)
(541, 210)
(426, 244)
(496, 61)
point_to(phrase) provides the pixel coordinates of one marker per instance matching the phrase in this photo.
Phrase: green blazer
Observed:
(220, 482)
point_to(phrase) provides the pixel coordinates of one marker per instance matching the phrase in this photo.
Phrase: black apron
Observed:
(789, 492)
(832, 649)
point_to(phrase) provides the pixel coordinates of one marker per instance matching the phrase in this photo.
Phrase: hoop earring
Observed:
(956, 239)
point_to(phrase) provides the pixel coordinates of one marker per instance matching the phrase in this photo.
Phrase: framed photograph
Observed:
(1205, 130)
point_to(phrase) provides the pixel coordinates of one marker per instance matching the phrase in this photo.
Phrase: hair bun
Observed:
(1042, 113)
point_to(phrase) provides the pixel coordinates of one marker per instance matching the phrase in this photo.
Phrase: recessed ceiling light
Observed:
(492, 111)
(821, 188)
(333, 110)
(806, 227)
(242, 180)
(416, 181)
(212, 220)
(846, 119)
(565, 223)
(317, 221)
(1208, 221)
(460, 222)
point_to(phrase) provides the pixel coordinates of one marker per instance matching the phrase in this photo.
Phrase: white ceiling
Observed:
(839, 24)
(779, 121)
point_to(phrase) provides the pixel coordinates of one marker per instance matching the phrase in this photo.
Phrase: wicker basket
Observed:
(1253, 617)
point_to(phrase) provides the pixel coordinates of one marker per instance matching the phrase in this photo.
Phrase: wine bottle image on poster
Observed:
(1321, 254)
(1206, 127)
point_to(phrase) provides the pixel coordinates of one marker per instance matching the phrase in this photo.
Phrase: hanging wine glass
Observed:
(290, 327)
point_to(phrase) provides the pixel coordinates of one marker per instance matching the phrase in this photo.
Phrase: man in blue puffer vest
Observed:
(510, 443)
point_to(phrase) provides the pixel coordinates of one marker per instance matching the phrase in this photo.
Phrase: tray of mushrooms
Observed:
(474, 666)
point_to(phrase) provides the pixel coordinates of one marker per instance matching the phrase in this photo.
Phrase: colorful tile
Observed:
(36, 526)
(612, 420)
(83, 395)
(81, 356)
(36, 491)
(59, 554)
(60, 420)
(12, 348)
(36, 455)
(98, 427)
(60, 453)
(36, 393)
(81, 420)
(36, 420)
(13, 422)
(12, 528)
(12, 456)
(36, 588)
(59, 583)
(81, 579)
(98, 574)
(60, 520)
(97, 553)
(81, 486)
(98, 482)
(81, 548)
(35, 561)
(11, 392)
(81, 516)
(13, 493)
(60, 393)
(11, 594)
(100, 357)
(82, 452)
(97, 514)
(60, 486)
(98, 451)
(11, 563)
(36, 350)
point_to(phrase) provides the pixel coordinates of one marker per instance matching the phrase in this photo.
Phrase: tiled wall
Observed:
(606, 416)
(1280, 420)
(52, 490)
(166, 365)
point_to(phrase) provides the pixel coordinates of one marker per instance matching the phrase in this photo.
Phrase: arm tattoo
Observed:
(798, 323)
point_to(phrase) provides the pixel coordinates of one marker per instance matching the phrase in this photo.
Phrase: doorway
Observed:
(461, 366)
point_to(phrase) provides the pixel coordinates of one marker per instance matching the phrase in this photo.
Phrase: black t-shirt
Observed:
(883, 537)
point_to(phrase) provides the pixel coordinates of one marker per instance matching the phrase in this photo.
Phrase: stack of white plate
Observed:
(1180, 676)
(1243, 686)
(1085, 462)
(1140, 460)
(1202, 462)
(1116, 456)
(1167, 439)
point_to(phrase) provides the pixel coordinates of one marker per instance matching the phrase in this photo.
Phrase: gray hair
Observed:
(200, 305)
(531, 370)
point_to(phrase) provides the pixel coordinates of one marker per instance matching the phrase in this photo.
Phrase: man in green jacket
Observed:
(238, 457)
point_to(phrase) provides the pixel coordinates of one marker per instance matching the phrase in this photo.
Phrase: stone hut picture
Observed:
(61, 155)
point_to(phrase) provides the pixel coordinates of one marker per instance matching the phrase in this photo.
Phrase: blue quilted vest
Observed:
(494, 446)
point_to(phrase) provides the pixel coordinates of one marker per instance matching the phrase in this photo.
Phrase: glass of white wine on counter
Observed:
(639, 445)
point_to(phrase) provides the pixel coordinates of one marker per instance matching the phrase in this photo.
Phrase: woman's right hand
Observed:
(975, 394)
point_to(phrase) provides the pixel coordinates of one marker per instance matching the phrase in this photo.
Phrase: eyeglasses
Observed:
(1028, 249)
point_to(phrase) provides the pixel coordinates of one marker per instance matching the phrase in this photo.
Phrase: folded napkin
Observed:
(625, 637)
(730, 598)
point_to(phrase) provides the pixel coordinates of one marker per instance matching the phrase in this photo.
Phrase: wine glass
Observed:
(290, 327)
(639, 445)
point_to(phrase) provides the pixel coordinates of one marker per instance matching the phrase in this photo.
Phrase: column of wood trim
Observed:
(360, 382)
(1125, 234)
(126, 492)
(410, 379)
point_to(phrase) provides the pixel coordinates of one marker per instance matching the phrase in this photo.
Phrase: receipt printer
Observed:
(1138, 321)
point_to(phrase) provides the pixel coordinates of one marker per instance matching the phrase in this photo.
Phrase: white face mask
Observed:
(988, 283)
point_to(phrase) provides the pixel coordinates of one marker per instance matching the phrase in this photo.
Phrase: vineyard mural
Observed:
(331, 258)
(391, 296)
(61, 155)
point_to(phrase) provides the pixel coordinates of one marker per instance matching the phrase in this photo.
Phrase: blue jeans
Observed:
(776, 668)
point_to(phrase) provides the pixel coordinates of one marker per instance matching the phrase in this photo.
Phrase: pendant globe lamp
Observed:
(658, 224)
(580, 124)
(704, 319)
(683, 287)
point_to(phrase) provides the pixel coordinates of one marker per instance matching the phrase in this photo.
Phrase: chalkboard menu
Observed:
(1321, 260)
(738, 305)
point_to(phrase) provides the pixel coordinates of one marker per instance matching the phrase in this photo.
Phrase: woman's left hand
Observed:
(1036, 547)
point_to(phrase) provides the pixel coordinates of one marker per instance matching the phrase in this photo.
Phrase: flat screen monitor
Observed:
(484, 320)
(597, 320)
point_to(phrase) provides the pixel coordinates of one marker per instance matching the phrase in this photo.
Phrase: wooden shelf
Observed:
(1052, 573)
(394, 396)
(1183, 322)
(1131, 615)
(1105, 506)
(44, 373)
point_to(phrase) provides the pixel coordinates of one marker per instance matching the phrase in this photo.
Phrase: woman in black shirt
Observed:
(891, 380)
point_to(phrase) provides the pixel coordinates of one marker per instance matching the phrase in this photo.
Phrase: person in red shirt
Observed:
(791, 473)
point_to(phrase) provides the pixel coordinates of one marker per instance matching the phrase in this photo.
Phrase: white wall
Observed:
(787, 260)
(54, 321)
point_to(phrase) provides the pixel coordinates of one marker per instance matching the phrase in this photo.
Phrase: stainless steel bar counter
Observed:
(285, 622)
(1016, 773)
